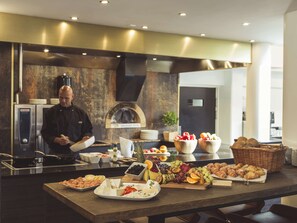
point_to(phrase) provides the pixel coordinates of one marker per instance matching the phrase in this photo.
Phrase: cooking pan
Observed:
(61, 159)
(21, 161)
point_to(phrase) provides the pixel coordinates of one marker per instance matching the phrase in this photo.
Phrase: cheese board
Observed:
(128, 179)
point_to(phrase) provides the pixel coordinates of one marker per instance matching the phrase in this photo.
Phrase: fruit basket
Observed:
(270, 157)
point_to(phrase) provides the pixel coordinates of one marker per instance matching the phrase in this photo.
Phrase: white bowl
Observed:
(210, 146)
(136, 176)
(185, 146)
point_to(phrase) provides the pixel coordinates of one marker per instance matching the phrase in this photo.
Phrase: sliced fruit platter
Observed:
(116, 189)
(238, 172)
(177, 174)
(87, 182)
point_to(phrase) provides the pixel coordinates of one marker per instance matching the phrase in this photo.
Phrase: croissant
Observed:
(221, 174)
(251, 175)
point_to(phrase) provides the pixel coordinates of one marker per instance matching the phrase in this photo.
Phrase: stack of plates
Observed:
(149, 134)
(54, 101)
(35, 101)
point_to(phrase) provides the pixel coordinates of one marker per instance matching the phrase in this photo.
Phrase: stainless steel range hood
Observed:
(131, 74)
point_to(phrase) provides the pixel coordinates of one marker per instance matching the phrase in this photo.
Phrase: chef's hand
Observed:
(85, 137)
(62, 140)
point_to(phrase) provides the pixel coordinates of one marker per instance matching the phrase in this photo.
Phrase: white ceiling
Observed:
(221, 19)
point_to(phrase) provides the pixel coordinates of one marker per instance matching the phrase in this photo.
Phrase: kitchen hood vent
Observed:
(131, 74)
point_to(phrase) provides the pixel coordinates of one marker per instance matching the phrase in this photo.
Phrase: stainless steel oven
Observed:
(28, 120)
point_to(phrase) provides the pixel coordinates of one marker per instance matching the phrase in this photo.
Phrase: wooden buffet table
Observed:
(170, 202)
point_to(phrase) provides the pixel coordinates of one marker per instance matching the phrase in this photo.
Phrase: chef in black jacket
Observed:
(65, 123)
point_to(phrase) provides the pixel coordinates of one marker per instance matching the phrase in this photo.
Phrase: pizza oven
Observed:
(125, 115)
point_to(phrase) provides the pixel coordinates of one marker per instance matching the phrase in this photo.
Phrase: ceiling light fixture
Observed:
(246, 24)
(74, 18)
(118, 56)
(104, 2)
(202, 34)
(132, 25)
(84, 54)
(182, 14)
(252, 41)
(46, 50)
(154, 58)
(144, 27)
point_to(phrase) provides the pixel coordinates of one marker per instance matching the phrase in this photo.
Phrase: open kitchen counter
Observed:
(17, 206)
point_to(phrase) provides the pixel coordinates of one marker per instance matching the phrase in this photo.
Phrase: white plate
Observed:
(81, 189)
(261, 179)
(83, 144)
(99, 191)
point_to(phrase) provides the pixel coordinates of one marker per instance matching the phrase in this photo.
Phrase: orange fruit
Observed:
(163, 158)
(149, 164)
(163, 149)
(191, 180)
(194, 176)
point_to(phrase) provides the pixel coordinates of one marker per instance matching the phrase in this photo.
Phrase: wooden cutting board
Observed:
(127, 179)
(185, 186)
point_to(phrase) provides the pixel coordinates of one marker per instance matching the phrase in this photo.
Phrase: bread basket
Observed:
(267, 156)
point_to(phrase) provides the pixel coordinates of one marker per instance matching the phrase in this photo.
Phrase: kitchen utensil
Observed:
(83, 144)
(127, 147)
(59, 159)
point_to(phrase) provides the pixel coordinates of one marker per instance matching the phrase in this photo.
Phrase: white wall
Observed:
(231, 97)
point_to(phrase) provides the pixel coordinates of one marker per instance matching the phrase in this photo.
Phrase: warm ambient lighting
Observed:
(246, 24)
(104, 2)
(74, 18)
(46, 50)
(144, 27)
(182, 14)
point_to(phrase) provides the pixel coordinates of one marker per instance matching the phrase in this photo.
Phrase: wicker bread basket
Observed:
(268, 156)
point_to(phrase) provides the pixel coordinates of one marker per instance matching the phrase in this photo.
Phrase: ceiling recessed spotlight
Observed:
(202, 34)
(84, 54)
(118, 56)
(252, 41)
(74, 18)
(144, 27)
(154, 58)
(46, 50)
(132, 25)
(104, 2)
(182, 14)
(246, 24)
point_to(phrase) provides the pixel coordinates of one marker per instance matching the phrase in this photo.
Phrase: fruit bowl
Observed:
(210, 146)
(185, 146)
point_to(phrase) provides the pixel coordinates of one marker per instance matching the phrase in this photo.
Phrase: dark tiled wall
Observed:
(95, 91)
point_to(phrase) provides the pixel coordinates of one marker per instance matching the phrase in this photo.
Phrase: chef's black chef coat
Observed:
(71, 121)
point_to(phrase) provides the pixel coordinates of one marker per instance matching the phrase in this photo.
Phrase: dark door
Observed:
(197, 110)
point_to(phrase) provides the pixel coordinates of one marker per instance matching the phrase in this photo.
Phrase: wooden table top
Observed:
(173, 201)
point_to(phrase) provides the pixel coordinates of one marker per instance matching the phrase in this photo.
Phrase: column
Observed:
(258, 93)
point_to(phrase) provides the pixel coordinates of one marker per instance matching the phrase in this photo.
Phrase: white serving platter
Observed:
(261, 179)
(157, 154)
(100, 191)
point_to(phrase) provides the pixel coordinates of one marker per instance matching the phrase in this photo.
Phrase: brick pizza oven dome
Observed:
(125, 115)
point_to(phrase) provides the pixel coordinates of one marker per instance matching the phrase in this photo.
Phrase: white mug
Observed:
(294, 157)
